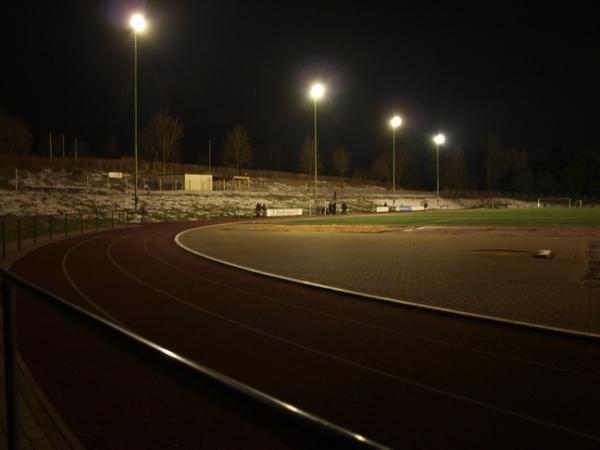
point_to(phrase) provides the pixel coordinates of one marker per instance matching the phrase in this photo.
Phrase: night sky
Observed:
(528, 72)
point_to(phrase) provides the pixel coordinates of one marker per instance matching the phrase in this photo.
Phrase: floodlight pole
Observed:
(315, 153)
(437, 158)
(135, 120)
(393, 161)
(209, 157)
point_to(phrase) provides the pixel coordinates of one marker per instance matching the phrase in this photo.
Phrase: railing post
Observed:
(97, 221)
(66, 225)
(3, 241)
(10, 372)
(50, 226)
(34, 230)
(18, 233)
(81, 223)
(127, 218)
(112, 219)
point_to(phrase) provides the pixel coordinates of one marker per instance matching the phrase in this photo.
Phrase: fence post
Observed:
(50, 226)
(3, 241)
(66, 225)
(112, 219)
(127, 218)
(10, 373)
(18, 233)
(80, 223)
(97, 221)
(34, 230)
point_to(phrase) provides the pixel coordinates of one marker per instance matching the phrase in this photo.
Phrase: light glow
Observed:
(396, 121)
(317, 91)
(138, 23)
(439, 139)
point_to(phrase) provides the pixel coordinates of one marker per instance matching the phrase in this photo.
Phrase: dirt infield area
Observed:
(355, 228)
(491, 271)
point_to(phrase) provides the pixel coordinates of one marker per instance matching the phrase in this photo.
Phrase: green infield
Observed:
(537, 217)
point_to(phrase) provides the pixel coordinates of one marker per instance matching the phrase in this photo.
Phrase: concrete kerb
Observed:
(58, 432)
(379, 298)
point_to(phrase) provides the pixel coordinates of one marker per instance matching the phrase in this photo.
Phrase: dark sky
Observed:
(527, 71)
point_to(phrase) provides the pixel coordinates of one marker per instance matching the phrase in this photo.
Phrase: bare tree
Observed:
(237, 151)
(454, 170)
(15, 137)
(306, 156)
(340, 160)
(161, 137)
(381, 167)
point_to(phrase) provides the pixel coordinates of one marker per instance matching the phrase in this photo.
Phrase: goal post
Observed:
(554, 202)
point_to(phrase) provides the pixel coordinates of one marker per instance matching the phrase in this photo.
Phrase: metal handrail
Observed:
(10, 281)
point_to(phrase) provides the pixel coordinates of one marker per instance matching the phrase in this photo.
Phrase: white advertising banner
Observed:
(275, 212)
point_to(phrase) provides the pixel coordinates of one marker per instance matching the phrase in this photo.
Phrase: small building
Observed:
(186, 182)
(235, 183)
(239, 180)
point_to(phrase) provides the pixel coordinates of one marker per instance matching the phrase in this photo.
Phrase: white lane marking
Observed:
(382, 373)
(365, 324)
(79, 291)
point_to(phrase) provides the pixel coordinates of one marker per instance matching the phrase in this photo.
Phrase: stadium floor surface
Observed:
(402, 377)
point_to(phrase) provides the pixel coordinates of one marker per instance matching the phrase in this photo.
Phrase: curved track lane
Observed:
(406, 378)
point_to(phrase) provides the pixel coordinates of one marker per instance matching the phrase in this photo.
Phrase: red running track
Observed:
(400, 376)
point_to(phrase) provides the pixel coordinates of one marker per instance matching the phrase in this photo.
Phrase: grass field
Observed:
(537, 217)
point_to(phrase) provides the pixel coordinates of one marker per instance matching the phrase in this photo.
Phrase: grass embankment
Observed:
(542, 217)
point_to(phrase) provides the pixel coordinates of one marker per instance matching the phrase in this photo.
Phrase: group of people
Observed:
(332, 208)
(261, 210)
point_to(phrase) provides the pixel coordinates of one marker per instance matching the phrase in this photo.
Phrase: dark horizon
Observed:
(523, 72)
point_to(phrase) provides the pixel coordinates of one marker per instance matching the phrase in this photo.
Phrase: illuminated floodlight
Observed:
(396, 121)
(138, 23)
(439, 139)
(317, 91)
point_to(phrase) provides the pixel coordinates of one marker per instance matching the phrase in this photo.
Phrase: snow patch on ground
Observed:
(49, 193)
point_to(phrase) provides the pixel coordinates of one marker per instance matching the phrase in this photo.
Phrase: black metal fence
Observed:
(37, 228)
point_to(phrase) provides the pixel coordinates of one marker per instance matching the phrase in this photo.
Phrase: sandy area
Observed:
(325, 228)
(437, 229)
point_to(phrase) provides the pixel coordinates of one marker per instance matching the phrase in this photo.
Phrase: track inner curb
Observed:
(380, 298)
